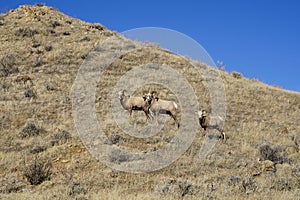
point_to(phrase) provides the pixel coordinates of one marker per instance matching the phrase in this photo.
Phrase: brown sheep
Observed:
(134, 103)
(213, 122)
(159, 106)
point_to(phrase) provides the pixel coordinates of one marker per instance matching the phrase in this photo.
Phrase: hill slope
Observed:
(259, 160)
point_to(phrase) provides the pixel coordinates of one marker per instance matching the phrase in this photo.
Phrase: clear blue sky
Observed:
(259, 38)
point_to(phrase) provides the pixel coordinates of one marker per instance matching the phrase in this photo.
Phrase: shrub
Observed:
(118, 156)
(272, 153)
(38, 149)
(5, 86)
(234, 180)
(54, 24)
(50, 86)
(37, 171)
(221, 65)
(185, 188)
(3, 70)
(30, 130)
(36, 44)
(1, 20)
(48, 48)
(66, 33)
(86, 39)
(7, 65)
(237, 75)
(29, 93)
(97, 26)
(178, 187)
(115, 138)
(38, 62)
(77, 189)
(25, 32)
(59, 138)
(10, 184)
(249, 185)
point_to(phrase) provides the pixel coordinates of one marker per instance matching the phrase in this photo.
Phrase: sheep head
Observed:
(148, 97)
(121, 94)
(153, 93)
(202, 113)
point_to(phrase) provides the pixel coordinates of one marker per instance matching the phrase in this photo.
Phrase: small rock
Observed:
(29, 93)
(48, 48)
(50, 86)
(66, 33)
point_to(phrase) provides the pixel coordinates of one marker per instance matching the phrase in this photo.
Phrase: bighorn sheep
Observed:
(159, 106)
(213, 122)
(134, 103)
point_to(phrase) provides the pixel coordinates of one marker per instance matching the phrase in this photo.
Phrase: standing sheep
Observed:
(134, 103)
(159, 106)
(213, 122)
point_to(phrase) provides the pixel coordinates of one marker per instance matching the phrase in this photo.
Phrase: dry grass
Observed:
(47, 46)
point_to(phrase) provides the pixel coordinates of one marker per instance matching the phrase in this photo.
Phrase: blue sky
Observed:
(259, 38)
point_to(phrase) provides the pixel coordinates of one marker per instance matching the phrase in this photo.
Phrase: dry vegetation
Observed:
(42, 157)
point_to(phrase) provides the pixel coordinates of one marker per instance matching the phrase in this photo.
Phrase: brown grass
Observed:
(257, 115)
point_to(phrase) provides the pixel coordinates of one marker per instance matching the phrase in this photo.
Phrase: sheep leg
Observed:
(147, 115)
(151, 115)
(223, 135)
(130, 112)
(156, 118)
(175, 119)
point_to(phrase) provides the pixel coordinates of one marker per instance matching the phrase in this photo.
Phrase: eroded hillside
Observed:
(41, 51)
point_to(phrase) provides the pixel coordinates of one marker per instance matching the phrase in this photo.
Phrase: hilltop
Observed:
(41, 51)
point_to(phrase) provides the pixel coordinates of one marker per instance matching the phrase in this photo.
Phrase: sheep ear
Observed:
(122, 92)
(145, 92)
(156, 98)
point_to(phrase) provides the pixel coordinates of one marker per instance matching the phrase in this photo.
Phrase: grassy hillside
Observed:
(43, 157)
